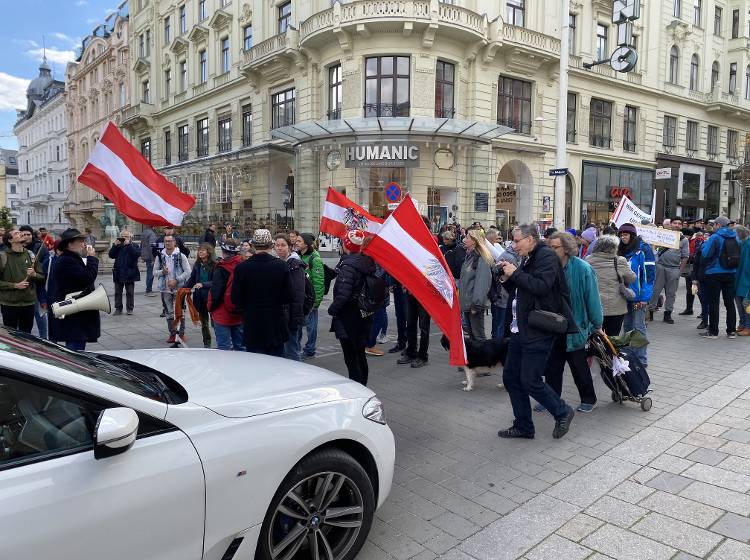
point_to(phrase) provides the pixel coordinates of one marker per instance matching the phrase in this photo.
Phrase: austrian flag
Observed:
(341, 215)
(118, 171)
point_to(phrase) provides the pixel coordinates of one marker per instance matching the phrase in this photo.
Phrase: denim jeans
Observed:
(149, 275)
(743, 319)
(498, 322)
(312, 333)
(229, 337)
(292, 347)
(379, 321)
(635, 319)
(41, 320)
(522, 376)
(167, 301)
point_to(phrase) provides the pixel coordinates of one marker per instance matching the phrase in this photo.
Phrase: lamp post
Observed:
(287, 194)
(561, 156)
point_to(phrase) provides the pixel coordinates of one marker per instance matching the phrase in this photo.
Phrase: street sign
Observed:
(663, 173)
(558, 172)
(393, 191)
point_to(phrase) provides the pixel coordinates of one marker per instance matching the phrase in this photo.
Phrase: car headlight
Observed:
(374, 411)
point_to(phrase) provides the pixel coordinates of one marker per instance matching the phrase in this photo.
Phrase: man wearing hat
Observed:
(226, 319)
(315, 272)
(261, 288)
(74, 274)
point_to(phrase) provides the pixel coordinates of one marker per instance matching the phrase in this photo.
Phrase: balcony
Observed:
(138, 116)
(723, 102)
(272, 59)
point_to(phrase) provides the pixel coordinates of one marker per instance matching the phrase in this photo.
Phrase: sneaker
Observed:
(150, 294)
(586, 407)
(171, 339)
(307, 356)
(419, 362)
(668, 318)
(374, 351)
(686, 312)
(117, 312)
(702, 326)
(514, 432)
(732, 335)
(383, 339)
(130, 312)
(397, 348)
(405, 360)
(539, 408)
(562, 424)
(163, 314)
(709, 335)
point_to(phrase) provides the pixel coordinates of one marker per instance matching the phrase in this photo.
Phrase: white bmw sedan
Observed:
(184, 454)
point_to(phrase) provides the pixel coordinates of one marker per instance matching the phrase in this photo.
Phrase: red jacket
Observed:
(220, 303)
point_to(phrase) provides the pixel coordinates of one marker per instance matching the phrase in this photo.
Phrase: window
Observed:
(572, 33)
(676, 8)
(732, 77)
(148, 42)
(141, 45)
(183, 75)
(59, 185)
(247, 37)
(201, 144)
(57, 153)
(225, 57)
(13, 188)
(247, 125)
(225, 134)
(691, 140)
(747, 82)
(182, 143)
(674, 65)
(282, 108)
(669, 133)
(714, 74)
(602, 52)
(122, 94)
(697, 8)
(202, 67)
(146, 148)
(183, 19)
(285, 16)
(600, 123)
(146, 92)
(717, 20)
(571, 123)
(167, 147)
(202, 10)
(694, 73)
(514, 104)
(516, 12)
(444, 80)
(387, 86)
(335, 92)
(712, 146)
(735, 24)
(167, 82)
(731, 144)
(167, 30)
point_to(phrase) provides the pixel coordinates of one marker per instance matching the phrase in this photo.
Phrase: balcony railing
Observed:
(386, 109)
(532, 39)
(518, 126)
(445, 112)
(201, 151)
(600, 141)
(334, 114)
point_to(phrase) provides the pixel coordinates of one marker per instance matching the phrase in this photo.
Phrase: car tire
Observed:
(297, 528)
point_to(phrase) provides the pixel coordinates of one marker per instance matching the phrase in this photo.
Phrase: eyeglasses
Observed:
(555, 247)
(517, 241)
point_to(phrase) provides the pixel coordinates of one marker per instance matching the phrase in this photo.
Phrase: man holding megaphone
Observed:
(75, 270)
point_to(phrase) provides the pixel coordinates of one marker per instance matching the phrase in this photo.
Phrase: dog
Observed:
(483, 357)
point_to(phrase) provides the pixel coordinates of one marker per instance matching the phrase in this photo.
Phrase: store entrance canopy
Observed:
(409, 127)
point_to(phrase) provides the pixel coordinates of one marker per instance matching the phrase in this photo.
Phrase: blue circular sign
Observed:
(393, 191)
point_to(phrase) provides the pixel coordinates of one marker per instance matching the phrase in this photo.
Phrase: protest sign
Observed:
(627, 211)
(659, 237)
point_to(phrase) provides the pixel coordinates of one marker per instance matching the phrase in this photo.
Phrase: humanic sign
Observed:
(381, 155)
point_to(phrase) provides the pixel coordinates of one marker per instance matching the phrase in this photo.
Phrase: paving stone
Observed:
(719, 477)
(681, 449)
(718, 396)
(710, 429)
(441, 543)
(677, 534)
(585, 486)
(455, 554)
(682, 508)
(642, 476)
(646, 445)
(733, 526)
(741, 436)
(686, 418)
(615, 511)
(669, 482)
(731, 550)
(739, 465)
(707, 456)
(496, 502)
(579, 527)
(670, 463)
(626, 545)
(685, 556)
(702, 440)
(722, 498)
(736, 448)
(631, 492)
(455, 525)
(555, 547)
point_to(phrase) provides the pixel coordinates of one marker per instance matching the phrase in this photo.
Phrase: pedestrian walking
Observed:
(261, 289)
(720, 258)
(200, 281)
(475, 283)
(539, 285)
(670, 263)
(148, 241)
(742, 282)
(295, 310)
(227, 319)
(614, 275)
(125, 271)
(316, 273)
(172, 270)
(19, 274)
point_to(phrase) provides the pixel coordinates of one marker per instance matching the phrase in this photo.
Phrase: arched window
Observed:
(694, 73)
(674, 64)
(714, 74)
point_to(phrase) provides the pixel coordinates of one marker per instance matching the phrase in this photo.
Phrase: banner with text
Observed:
(627, 211)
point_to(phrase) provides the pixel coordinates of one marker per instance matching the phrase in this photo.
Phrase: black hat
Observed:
(309, 239)
(69, 235)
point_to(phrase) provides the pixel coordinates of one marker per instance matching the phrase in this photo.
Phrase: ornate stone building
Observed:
(9, 181)
(97, 91)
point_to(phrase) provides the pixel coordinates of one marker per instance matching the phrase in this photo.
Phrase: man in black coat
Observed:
(261, 288)
(125, 271)
(454, 253)
(540, 285)
(210, 235)
(73, 275)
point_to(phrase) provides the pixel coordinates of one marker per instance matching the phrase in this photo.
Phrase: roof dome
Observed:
(39, 84)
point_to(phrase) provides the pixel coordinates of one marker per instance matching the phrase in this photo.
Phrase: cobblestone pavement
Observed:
(671, 483)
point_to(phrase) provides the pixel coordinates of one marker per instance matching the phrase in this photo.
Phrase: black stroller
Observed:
(629, 383)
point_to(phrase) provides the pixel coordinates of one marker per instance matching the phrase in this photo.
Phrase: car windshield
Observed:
(118, 372)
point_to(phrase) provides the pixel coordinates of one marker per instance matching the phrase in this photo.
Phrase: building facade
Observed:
(97, 91)
(9, 180)
(42, 154)
(257, 107)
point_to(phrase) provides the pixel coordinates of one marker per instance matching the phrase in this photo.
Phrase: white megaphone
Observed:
(96, 300)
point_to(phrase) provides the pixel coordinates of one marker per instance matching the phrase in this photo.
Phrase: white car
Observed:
(184, 454)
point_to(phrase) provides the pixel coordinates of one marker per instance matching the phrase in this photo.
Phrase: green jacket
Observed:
(584, 300)
(315, 273)
(13, 267)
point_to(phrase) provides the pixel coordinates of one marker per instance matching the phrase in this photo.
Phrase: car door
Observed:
(58, 502)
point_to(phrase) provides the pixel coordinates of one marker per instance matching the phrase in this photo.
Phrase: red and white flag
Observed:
(341, 215)
(407, 250)
(118, 171)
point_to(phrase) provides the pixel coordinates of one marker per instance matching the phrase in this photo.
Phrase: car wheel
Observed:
(323, 510)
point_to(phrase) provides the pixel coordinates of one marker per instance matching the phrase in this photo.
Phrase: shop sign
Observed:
(663, 173)
(619, 192)
(381, 155)
(481, 202)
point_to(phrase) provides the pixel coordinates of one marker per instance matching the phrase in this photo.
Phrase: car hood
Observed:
(240, 384)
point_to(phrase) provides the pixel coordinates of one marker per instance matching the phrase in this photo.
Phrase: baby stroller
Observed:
(621, 369)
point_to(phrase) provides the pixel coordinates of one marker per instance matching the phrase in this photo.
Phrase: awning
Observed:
(423, 127)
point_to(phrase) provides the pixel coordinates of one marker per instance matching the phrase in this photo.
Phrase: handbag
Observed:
(548, 321)
(627, 293)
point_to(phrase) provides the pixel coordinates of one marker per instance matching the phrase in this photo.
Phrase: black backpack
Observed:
(373, 294)
(729, 257)
(328, 275)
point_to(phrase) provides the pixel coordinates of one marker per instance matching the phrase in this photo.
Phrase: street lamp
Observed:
(287, 194)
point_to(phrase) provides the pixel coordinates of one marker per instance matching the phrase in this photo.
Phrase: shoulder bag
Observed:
(627, 293)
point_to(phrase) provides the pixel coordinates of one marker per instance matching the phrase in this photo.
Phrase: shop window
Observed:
(225, 134)
(516, 12)
(335, 92)
(146, 148)
(669, 132)
(694, 73)
(285, 16)
(282, 108)
(712, 144)
(387, 86)
(167, 147)
(444, 80)
(182, 143)
(600, 123)
(514, 104)
(247, 125)
(201, 144)
(629, 128)
(691, 140)
(674, 65)
(571, 123)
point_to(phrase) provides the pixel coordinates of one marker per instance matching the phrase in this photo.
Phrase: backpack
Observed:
(307, 306)
(373, 294)
(729, 257)
(328, 275)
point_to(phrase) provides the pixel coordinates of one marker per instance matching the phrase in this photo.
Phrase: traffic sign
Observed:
(393, 191)
(558, 172)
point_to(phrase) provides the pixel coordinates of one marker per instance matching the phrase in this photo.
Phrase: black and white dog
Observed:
(482, 357)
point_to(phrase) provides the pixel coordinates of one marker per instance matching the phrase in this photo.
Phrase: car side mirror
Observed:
(115, 432)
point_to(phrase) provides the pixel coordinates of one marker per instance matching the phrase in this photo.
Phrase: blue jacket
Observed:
(642, 262)
(712, 249)
(585, 301)
(742, 279)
